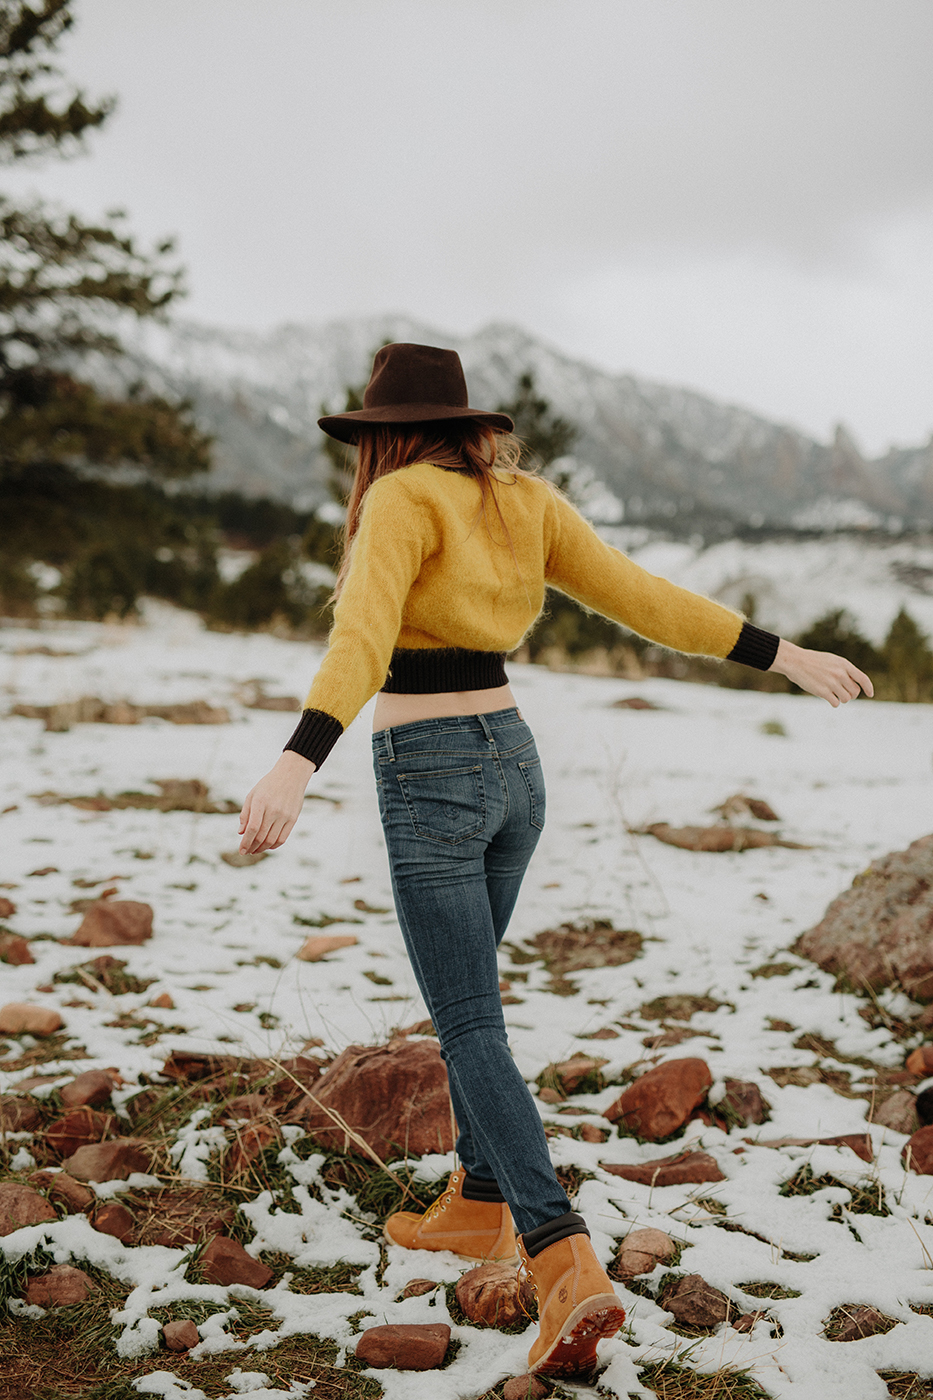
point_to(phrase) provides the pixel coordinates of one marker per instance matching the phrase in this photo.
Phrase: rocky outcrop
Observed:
(880, 931)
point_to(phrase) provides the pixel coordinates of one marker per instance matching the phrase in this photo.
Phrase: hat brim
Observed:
(346, 427)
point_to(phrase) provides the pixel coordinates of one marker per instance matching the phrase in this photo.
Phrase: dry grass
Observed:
(670, 1381)
(907, 1385)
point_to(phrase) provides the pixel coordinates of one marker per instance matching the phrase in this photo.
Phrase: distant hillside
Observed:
(671, 457)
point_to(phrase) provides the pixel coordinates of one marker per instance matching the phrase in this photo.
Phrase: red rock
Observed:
(747, 1321)
(695, 1302)
(404, 1348)
(318, 946)
(417, 1287)
(717, 838)
(108, 1161)
(21, 1018)
(113, 1218)
(878, 932)
(189, 1066)
(858, 1322)
(743, 1102)
(394, 1096)
(679, 1170)
(251, 1140)
(917, 1154)
(164, 1002)
(640, 1251)
(77, 1129)
(93, 1087)
(110, 922)
(21, 1205)
(549, 1095)
(860, 1143)
(571, 1073)
(492, 1295)
(662, 1100)
(524, 1388)
(58, 1288)
(590, 1133)
(7, 907)
(181, 1336)
(920, 1061)
(18, 1115)
(62, 1187)
(225, 1261)
(898, 1112)
(15, 950)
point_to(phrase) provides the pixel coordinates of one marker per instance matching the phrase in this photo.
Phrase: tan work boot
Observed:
(472, 1229)
(577, 1306)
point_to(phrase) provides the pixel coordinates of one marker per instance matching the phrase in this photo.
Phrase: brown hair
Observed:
(385, 448)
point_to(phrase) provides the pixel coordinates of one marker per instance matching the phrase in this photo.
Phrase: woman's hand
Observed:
(272, 807)
(821, 673)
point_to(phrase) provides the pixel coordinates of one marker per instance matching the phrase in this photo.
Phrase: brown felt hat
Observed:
(412, 384)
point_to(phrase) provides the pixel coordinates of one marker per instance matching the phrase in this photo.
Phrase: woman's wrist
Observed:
(784, 656)
(295, 765)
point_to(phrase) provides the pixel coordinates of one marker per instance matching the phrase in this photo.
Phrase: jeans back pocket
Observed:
(531, 772)
(448, 806)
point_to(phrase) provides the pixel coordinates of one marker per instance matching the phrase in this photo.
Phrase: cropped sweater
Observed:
(439, 591)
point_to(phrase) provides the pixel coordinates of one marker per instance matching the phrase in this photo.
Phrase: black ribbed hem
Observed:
(474, 1188)
(316, 735)
(441, 669)
(553, 1231)
(755, 647)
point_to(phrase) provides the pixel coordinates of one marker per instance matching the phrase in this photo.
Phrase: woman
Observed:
(448, 551)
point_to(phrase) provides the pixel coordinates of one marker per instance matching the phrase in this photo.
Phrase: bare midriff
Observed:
(404, 709)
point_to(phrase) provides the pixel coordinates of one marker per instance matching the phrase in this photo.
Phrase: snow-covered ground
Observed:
(850, 784)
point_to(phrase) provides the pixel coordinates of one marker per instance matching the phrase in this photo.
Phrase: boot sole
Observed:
(574, 1352)
(470, 1258)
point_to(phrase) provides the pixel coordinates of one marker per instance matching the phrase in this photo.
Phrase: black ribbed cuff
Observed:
(755, 647)
(552, 1231)
(475, 1188)
(316, 735)
(432, 670)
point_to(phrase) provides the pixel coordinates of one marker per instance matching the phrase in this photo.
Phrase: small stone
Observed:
(920, 1061)
(404, 1348)
(662, 1100)
(61, 1286)
(241, 859)
(107, 1161)
(492, 1295)
(681, 1169)
(590, 1133)
(91, 1088)
(7, 907)
(747, 1321)
(22, 1018)
(858, 1322)
(898, 1112)
(524, 1388)
(314, 949)
(417, 1287)
(549, 1095)
(181, 1336)
(113, 1218)
(695, 1302)
(62, 1187)
(744, 1102)
(225, 1261)
(109, 922)
(21, 1205)
(77, 1129)
(164, 1002)
(18, 1115)
(641, 1251)
(571, 1073)
(14, 950)
(917, 1154)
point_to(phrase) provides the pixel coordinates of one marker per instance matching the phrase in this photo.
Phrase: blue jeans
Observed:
(462, 806)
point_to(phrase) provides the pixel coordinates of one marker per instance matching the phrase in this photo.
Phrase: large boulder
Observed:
(395, 1097)
(880, 931)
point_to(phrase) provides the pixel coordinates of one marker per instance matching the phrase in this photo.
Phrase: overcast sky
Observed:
(736, 195)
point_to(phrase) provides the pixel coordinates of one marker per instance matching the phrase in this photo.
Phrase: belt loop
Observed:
(485, 727)
(387, 735)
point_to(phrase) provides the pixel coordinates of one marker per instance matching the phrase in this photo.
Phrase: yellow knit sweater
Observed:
(428, 572)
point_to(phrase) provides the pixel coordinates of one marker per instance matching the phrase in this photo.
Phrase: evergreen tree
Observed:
(836, 632)
(546, 437)
(907, 660)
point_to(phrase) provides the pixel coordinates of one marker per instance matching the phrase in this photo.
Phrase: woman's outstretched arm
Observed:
(273, 806)
(821, 673)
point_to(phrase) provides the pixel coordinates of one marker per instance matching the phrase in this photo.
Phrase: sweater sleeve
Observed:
(394, 538)
(582, 565)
